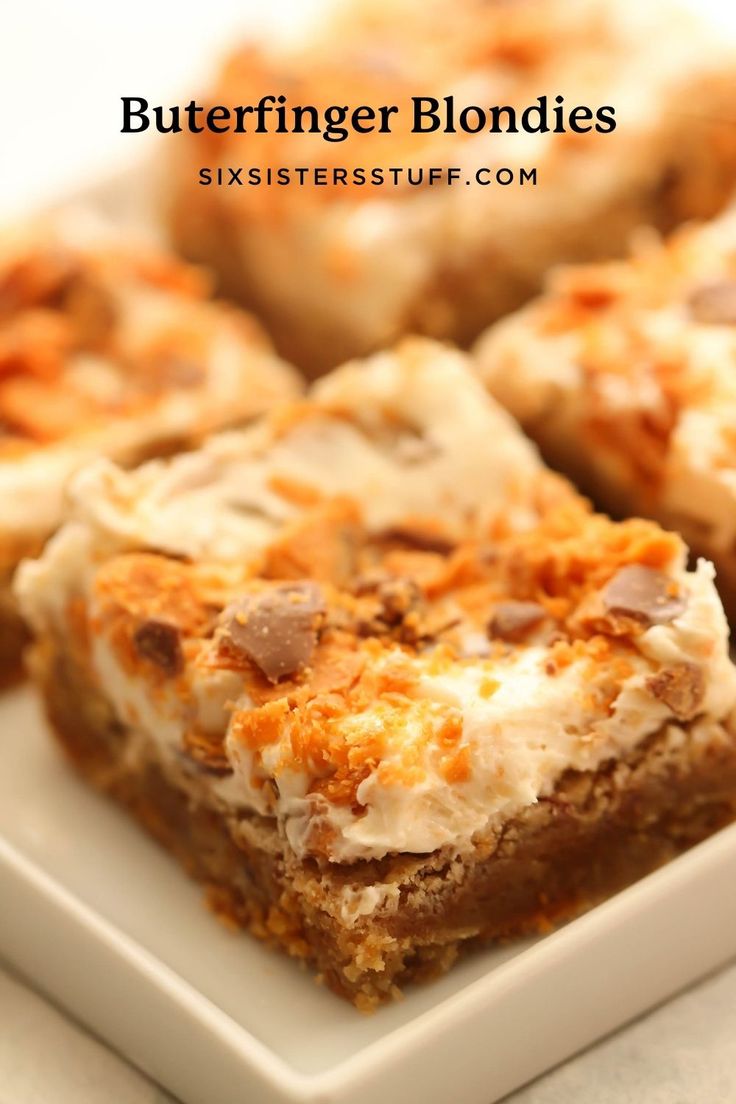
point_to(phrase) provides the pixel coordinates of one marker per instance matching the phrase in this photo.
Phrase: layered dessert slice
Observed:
(381, 682)
(106, 348)
(625, 375)
(382, 252)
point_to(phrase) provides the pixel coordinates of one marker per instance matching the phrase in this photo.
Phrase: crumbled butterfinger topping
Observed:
(92, 334)
(355, 635)
(649, 347)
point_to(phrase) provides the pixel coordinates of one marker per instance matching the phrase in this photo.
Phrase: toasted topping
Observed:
(644, 594)
(147, 586)
(158, 642)
(32, 281)
(93, 330)
(511, 620)
(714, 304)
(681, 688)
(276, 629)
(319, 545)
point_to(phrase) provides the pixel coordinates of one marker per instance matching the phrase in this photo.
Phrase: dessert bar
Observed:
(107, 348)
(625, 375)
(547, 131)
(381, 681)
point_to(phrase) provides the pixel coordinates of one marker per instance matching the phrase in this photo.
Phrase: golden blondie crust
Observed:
(596, 833)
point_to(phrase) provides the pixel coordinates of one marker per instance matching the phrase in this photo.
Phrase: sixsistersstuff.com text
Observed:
(335, 176)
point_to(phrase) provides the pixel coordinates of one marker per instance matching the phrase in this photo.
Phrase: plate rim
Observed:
(404, 1039)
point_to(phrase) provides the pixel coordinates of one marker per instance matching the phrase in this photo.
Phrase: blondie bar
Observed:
(382, 682)
(352, 241)
(107, 348)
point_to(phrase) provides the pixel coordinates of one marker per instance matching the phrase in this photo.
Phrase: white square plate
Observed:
(102, 920)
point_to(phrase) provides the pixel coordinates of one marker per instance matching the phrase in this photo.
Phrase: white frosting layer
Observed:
(423, 440)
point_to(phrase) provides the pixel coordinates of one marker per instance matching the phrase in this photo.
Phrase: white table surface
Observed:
(63, 68)
(682, 1053)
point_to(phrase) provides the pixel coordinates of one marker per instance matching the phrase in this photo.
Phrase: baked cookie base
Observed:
(597, 832)
(13, 639)
(14, 635)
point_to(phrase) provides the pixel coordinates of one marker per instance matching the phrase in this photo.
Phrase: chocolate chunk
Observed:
(644, 594)
(420, 539)
(714, 304)
(397, 606)
(512, 620)
(276, 629)
(158, 642)
(398, 597)
(681, 688)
